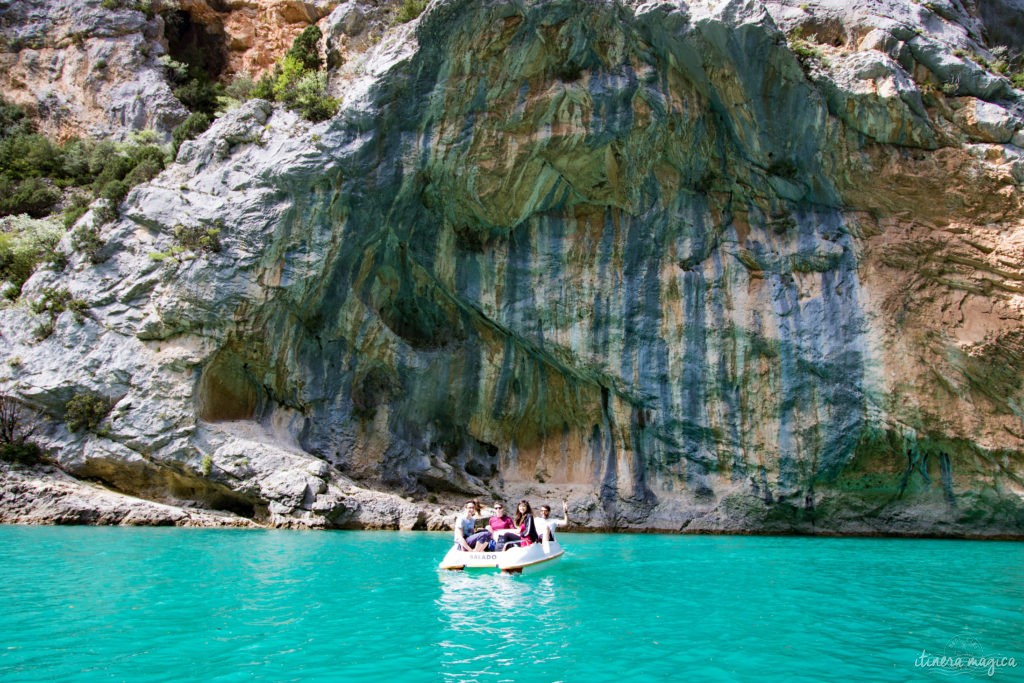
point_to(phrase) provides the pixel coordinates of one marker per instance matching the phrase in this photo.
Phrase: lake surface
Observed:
(112, 604)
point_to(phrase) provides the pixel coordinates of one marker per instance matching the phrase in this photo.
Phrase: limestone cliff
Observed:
(709, 266)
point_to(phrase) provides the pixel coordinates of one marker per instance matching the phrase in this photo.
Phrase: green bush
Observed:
(86, 411)
(25, 453)
(298, 82)
(240, 89)
(55, 301)
(190, 128)
(77, 205)
(14, 121)
(143, 172)
(32, 196)
(311, 100)
(114, 192)
(29, 156)
(199, 95)
(264, 88)
(44, 329)
(306, 49)
(75, 161)
(409, 10)
(35, 172)
(86, 240)
(197, 238)
(24, 244)
(177, 71)
(289, 70)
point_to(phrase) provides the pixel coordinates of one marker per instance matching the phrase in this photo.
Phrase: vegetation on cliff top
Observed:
(409, 10)
(299, 81)
(25, 243)
(39, 176)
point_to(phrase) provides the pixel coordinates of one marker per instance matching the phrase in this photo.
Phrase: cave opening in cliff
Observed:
(226, 390)
(201, 49)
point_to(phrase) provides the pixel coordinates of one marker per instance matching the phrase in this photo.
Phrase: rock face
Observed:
(252, 34)
(84, 69)
(747, 267)
(92, 68)
(48, 496)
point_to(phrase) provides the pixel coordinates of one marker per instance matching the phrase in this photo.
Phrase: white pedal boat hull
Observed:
(511, 561)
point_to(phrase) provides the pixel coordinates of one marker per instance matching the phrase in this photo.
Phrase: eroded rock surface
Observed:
(84, 69)
(733, 267)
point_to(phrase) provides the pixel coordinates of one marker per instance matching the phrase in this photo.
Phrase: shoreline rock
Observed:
(44, 495)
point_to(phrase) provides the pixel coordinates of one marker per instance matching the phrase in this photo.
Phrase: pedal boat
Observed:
(511, 561)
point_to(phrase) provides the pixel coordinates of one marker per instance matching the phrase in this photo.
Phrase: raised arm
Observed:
(565, 514)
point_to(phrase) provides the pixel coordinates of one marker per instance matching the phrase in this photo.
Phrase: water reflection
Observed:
(493, 626)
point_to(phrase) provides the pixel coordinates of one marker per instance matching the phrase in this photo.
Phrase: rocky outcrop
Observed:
(749, 267)
(85, 69)
(252, 35)
(46, 495)
(93, 68)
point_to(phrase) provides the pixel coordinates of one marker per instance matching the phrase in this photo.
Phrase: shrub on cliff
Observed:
(13, 120)
(17, 425)
(36, 173)
(190, 128)
(298, 82)
(32, 197)
(25, 243)
(51, 304)
(57, 300)
(198, 238)
(306, 48)
(86, 411)
(310, 97)
(86, 240)
(409, 10)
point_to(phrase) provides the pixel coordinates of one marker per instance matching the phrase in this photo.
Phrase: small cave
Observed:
(210, 496)
(227, 390)
(197, 41)
(161, 483)
(825, 31)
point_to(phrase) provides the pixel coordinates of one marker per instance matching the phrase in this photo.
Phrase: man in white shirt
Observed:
(545, 526)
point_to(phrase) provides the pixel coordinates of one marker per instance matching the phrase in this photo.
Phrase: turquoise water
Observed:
(110, 604)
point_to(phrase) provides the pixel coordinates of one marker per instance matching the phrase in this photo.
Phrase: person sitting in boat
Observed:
(486, 539)
(524, 522)
(546, 526)
(464, 522)
(502, 528)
